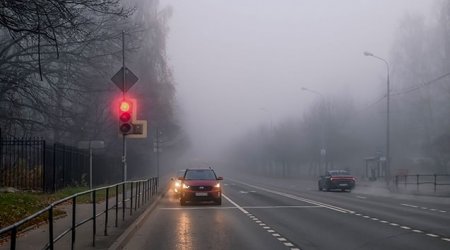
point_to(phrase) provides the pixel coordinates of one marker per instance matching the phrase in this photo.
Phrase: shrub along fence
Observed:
(32, 164)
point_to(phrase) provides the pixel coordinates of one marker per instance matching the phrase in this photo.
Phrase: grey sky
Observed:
(242, 63)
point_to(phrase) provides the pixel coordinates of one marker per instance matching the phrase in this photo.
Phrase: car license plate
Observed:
(343, 184)
(201, 194)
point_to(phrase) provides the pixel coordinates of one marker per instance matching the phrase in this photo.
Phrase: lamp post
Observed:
(323, 150)
(388, 159)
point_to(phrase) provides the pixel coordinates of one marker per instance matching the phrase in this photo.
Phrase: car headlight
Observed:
(185, 186)
(217, 185)
(177, 184)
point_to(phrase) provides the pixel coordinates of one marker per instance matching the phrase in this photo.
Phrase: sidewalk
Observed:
(38, 237)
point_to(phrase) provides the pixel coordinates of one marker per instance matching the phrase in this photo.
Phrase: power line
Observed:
(419, 86)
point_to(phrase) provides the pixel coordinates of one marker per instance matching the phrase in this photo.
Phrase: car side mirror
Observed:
(220, 178)
(181, 178)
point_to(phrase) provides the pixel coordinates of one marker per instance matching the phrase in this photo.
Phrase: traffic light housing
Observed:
(129, 125)
(126, 116)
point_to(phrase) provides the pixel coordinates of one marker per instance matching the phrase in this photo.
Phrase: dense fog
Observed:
(274, 83)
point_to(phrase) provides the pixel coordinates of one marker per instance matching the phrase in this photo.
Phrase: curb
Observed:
(123, 239)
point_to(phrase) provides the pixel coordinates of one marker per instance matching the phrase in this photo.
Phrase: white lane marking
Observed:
(254, 218)
(408, 205)
(270, 207)
(288, 244)
(417, 231)
(423, 208)
(375, 219)
(361, 197)
(338, 209)
(394, 224)
(405, 227)
(243, 192)
(446, 239)
(235, 204)
(432, 235)
(196, 208)
(383, 221)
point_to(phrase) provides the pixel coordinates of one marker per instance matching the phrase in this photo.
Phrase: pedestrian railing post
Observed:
(94, 221)
(117, 205)
(13, 238)
(435, 182)
(417, 182)
(131, 199)
(50, 227)
(106, 211)
(74, 206)
(123, 201)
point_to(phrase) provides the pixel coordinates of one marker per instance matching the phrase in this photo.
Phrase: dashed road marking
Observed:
(361, 197)
(343, 210)
(404, 227)
(424, 208)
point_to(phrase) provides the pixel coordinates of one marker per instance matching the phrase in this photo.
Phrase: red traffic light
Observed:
(125, 106)
(125, 117)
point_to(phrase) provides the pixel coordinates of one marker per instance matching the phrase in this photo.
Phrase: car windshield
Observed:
(200, 175)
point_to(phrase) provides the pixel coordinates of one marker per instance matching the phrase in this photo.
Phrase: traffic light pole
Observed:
(124, 141)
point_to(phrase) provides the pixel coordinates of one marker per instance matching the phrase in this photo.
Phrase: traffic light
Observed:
(126, 117)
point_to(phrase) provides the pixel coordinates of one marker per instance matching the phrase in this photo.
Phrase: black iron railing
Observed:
(126, 195)
(435, 180)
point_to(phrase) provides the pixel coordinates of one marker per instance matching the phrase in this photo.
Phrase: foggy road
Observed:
(257, 214)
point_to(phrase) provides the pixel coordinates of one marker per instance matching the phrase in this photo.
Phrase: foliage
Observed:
(56, 61)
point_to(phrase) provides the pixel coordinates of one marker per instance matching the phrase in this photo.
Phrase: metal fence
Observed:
(122, 196)
(423, 180)
(32, 164)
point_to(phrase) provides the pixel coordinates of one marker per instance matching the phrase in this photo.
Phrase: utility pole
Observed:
(124, 139)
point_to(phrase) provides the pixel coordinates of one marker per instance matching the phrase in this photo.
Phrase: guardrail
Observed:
(126, 193)
(422, 179)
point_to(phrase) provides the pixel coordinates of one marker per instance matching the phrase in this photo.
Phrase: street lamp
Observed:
(313, 91)
(388, 159)
(323, 150)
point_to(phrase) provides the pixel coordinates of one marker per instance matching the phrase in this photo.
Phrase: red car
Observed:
(337, 179)
(200, 185)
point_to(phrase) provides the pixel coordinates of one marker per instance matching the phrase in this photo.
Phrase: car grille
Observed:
(200, 188)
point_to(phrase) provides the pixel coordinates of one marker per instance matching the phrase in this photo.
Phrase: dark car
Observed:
(200, 185)
(337, 180)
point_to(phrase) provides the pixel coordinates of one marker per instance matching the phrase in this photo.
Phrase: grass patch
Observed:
(17, 206)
